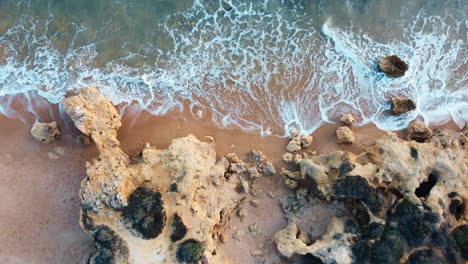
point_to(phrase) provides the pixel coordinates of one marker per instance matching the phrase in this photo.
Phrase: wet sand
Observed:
(39, 212)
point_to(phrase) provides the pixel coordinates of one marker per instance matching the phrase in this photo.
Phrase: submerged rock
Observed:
(45, 132)
(400, 106)
(393, 66)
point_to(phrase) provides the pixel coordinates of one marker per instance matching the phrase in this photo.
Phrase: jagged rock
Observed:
(268, 168)
(344, 135)
(393, 66)
(291, 184)
(294, 144)
(333, 247)
(292, 175)
(460, 234)
(256, 156)
(253, 172)
(306, 141)
(400, 106)
(400, 197)
(133, 195)
(348, 119)
(418, 131)
(297, 158)
(45, 132)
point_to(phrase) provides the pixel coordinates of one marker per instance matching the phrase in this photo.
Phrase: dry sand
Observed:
(39, 212)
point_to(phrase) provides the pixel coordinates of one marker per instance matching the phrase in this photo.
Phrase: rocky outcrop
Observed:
(405, 201)
(344, 135)
(393, 66)
(401, 106)
(161, 206)
(45, 132)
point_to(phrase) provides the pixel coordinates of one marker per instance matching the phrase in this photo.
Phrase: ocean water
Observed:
(263, 65)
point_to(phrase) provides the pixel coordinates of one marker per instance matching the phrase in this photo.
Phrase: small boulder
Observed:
(287, 157)
(348, 119)
(344, 135)
(402, 105)
(393, 66)
(45, 132)
(418, 131)
(256, 156)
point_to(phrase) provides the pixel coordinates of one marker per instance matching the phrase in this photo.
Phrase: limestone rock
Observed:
(163, 206)
(306, 141)
(400, 106)
(418, 131)
(348, 119)
(393, 66)
(287, 157)
(294, 144)
(268, 168)
(344, 135)
(45, 132)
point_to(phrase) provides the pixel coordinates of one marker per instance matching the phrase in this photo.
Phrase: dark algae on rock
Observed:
(189, 251)
(145, 212)
(178, 228)
(109, 248)
(358, 188)
(460, 234)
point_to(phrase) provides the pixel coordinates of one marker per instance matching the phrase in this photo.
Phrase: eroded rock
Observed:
(348, 119)
(45, 132)
(418, 131)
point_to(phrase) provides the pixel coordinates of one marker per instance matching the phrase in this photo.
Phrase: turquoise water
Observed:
(271, 64)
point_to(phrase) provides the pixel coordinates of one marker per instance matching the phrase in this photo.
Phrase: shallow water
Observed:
(271, 64)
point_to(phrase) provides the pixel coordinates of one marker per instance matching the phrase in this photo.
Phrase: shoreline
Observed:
(50, 206)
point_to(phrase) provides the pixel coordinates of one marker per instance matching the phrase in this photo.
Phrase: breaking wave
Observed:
(261, 65)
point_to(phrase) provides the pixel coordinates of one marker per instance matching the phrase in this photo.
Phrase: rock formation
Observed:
(161, 206)
(45, 132)
(400, 106)
(403, 201)
(393, 66)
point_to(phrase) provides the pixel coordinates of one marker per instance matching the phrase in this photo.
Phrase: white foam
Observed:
(258, 66)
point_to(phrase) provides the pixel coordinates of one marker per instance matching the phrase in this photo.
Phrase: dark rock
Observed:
(109, 248)
(402, 105)
(457, 208)
(346, 167)
(357, 187)
(372, 231)
(418, 131)
(190, 251)
(311, 259)
(393, 66)
(178, 228)
(388, 250)
(145, 212)
(358, 212)
(426, 256)
(460, 234)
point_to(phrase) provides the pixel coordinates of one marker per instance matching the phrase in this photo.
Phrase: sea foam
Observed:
(263, 65)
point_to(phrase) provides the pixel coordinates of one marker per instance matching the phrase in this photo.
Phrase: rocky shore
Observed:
(397, 201)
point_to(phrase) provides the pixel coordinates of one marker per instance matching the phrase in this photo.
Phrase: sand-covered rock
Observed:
(162, 206)
(348, 119)
(344, 135)
(404, 201)
(393, 66)
(45, 132)
(401, 106)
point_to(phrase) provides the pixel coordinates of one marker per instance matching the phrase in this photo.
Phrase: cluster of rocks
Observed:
(405, 201)
(344, 134)
(160, 206)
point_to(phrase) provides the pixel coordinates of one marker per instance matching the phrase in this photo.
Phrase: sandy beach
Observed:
(40, 208)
